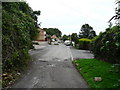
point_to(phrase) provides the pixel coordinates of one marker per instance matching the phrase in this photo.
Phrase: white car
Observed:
(56, 43)
(67, 42)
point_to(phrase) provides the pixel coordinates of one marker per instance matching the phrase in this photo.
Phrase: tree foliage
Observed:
(53, 31)
(74, 37)
(117, 11)
(106, 46)
(87, 31)
(65, 37)
(19, 28)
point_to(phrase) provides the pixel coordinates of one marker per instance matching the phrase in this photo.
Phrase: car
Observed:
(56, 43)
(53, 40)
(67, 42)
(59, 41)
(52, 43)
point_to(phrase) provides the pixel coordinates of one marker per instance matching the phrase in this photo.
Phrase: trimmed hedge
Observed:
(84, 43)
(106, 46)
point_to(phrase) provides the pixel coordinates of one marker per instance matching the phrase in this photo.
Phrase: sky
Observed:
(69, 15)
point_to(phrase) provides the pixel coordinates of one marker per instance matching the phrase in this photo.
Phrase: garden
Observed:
(104, 70)
(97, 73)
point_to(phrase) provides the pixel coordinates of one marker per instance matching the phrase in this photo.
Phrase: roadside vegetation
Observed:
(84, 43)
(19, 28)
(106, 65)
(93, 68)
(106, 46)
(106, 50)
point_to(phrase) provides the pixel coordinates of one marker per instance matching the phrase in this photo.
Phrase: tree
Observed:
(117, 11)
(106, 46)
(74, 37)
(87, 31)
(35, 14)
(65, 37)
(117, 14)
(53, 31)
(92, 34)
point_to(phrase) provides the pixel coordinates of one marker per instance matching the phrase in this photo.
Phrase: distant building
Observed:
(41, 35)
(54, 37)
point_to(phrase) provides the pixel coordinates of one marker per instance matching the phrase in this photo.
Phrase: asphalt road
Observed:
(52, 68)
(80, 54)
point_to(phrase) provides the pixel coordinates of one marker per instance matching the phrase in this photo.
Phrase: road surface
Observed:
(51, 68)
(79, 54)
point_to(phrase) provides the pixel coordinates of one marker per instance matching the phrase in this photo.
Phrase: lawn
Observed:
(91, 68)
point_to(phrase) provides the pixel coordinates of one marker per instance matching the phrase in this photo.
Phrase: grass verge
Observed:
(91, 68)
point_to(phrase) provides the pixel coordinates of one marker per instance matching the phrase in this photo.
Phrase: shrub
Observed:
(19, 28)
(84, 43)
(106, 46)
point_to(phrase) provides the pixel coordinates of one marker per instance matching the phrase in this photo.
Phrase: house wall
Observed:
(41, 35)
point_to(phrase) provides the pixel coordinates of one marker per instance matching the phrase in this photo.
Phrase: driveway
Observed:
(81, 54)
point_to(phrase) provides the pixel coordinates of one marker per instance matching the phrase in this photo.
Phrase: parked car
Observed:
(53, 40)
(52, 43)
(59, 41)
(67, 42)
(56, 43)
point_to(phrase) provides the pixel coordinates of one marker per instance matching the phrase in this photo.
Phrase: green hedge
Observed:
(84, 43)
(106, 46)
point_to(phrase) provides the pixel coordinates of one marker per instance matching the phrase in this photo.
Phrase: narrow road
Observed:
(51, 68)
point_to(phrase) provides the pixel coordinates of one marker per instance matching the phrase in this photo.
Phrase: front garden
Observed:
(106, 66)
(97, 73)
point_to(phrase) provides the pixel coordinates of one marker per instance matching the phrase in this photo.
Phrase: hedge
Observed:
(106, 46)
(84, 43)
(19, 28)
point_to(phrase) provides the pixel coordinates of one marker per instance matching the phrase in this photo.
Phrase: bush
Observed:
(19, 28)
(106, 46)
(84, 43)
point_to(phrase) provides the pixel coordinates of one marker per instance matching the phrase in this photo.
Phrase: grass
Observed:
(90, 68)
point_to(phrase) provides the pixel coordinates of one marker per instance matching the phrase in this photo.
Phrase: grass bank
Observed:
(91, 68)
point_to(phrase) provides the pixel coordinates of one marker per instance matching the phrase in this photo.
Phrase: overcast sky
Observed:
(69, 15)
